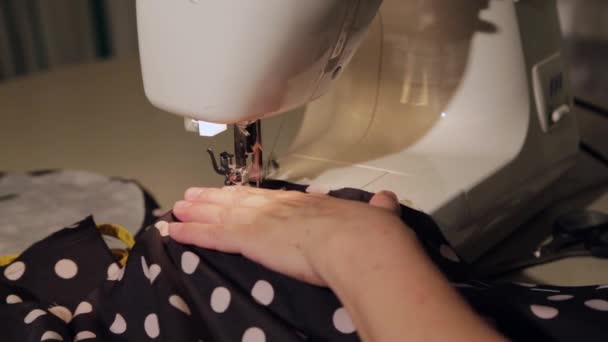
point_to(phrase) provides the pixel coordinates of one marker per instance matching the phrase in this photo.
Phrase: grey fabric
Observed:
(33, 206)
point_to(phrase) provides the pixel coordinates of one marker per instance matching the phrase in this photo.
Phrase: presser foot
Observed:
(233, 174)
(245, 166)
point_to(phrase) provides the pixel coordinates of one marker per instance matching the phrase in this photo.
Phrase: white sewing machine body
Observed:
(440, 105)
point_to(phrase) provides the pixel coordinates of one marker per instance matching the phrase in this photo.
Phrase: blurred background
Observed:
(41, 117)
(37, 35)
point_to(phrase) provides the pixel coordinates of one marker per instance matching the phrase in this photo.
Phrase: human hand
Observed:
(363, 252)
(297, 234)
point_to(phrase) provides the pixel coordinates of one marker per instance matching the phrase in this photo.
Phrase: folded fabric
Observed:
(70, 287)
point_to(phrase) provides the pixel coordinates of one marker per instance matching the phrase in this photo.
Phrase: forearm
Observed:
(394, 292)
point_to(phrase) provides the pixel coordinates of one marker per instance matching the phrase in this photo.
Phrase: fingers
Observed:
(209, 213)
(230, 196)
(233, 205)
(386, 200)
(223, 238)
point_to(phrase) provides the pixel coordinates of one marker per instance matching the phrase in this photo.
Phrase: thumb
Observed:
(386, 200)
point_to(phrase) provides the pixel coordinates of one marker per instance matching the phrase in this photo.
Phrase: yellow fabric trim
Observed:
(112, 230)
(117, 232)
(122, 255)
(7, 259)
(122, 234)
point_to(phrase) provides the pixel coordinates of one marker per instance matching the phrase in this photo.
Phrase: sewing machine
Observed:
(461, 107)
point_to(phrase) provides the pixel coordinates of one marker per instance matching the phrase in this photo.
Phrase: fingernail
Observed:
(193, 193)
(182, 205)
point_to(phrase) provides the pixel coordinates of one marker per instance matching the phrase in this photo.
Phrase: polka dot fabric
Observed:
(68, 287)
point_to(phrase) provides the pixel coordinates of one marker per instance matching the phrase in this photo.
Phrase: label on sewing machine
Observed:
(551, 93)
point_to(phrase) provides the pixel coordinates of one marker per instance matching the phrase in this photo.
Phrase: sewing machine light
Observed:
(208, 129)
(203, 128)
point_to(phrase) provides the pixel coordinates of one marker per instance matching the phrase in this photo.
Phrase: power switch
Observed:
(553, 100)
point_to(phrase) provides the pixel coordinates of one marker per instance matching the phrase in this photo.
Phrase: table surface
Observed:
(95, 117)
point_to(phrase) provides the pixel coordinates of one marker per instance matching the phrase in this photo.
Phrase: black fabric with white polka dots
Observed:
(68, 287)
